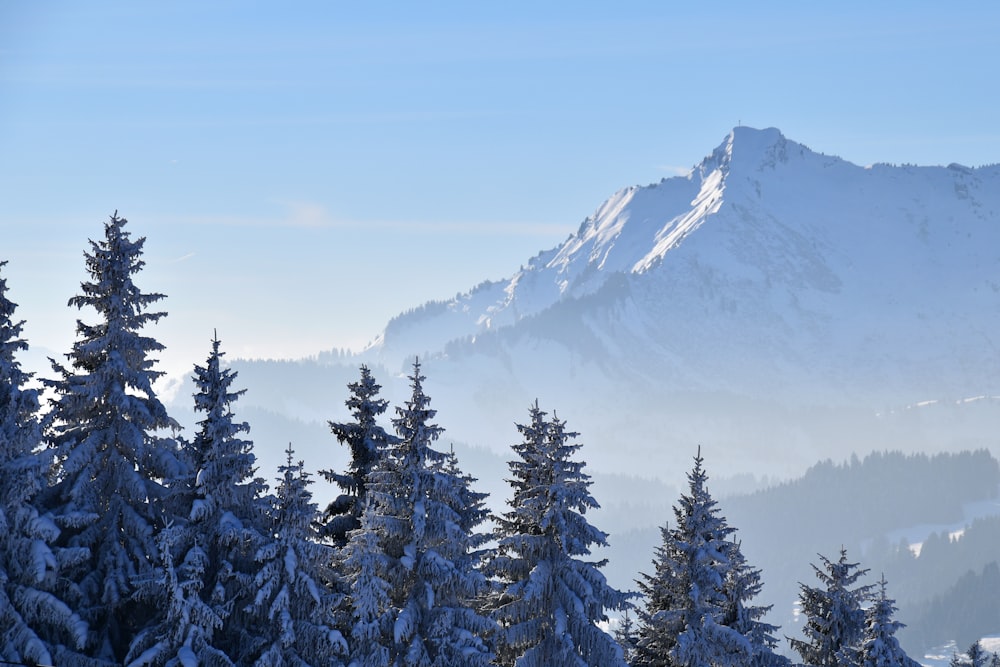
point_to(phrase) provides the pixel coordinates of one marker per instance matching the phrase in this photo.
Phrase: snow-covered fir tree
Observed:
(207, 566)
(549, 600)
(111, 457)
(223, 505)
(368, 442)
(879, 646)
(31, 616)
(696, 563)
(411, 567)
(292, 611)
(835, 617)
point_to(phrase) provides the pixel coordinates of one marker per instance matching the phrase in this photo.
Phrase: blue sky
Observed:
(305, 171)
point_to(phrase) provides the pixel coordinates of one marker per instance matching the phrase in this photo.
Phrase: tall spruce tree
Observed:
(549, 600)
(368, 442)
(698, 601)
(31, 616)
(879, 646)
(226, 506)
(293, 612)
(697, 562)
(835, 617)
(206, 566)
(412, 577)
(111, 457)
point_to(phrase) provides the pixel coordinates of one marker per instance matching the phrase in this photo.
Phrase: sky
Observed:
(305, 171)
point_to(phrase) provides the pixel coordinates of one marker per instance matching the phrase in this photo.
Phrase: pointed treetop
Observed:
(10, 330)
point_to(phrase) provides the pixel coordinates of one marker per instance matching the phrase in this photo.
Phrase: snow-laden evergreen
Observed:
(412, 565)
(206, 565)
(879, 646)
(30, 614)
(698, 601)
(111, 457)
(292, 611)
(835, 617)
(368, 443)
(549, 600)
(224, 506)
(696, 563)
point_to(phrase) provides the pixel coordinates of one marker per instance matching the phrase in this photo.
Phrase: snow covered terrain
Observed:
(774, 304)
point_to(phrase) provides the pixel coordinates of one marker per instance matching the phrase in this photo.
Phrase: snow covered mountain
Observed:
(776, 305)
(770, 248)
(769, 275)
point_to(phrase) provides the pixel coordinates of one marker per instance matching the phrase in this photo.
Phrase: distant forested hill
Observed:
(953, 588)
(859, 504)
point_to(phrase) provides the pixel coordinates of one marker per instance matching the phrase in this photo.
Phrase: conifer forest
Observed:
(126, 541)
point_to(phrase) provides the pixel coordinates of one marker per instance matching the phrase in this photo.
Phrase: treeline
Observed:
(931, 489)
(966, 611)
(859, 504)
(953, 587)
(124, 542)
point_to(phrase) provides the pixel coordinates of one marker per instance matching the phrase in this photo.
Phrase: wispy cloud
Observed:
(312, 215)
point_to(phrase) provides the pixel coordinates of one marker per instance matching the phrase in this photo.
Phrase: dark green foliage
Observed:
(855, 504)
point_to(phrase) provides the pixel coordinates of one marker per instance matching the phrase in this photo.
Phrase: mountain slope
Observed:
(769, 279)
(775, 305)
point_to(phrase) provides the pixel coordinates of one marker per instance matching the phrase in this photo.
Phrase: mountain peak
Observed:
(749, 148)
(749, 138)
